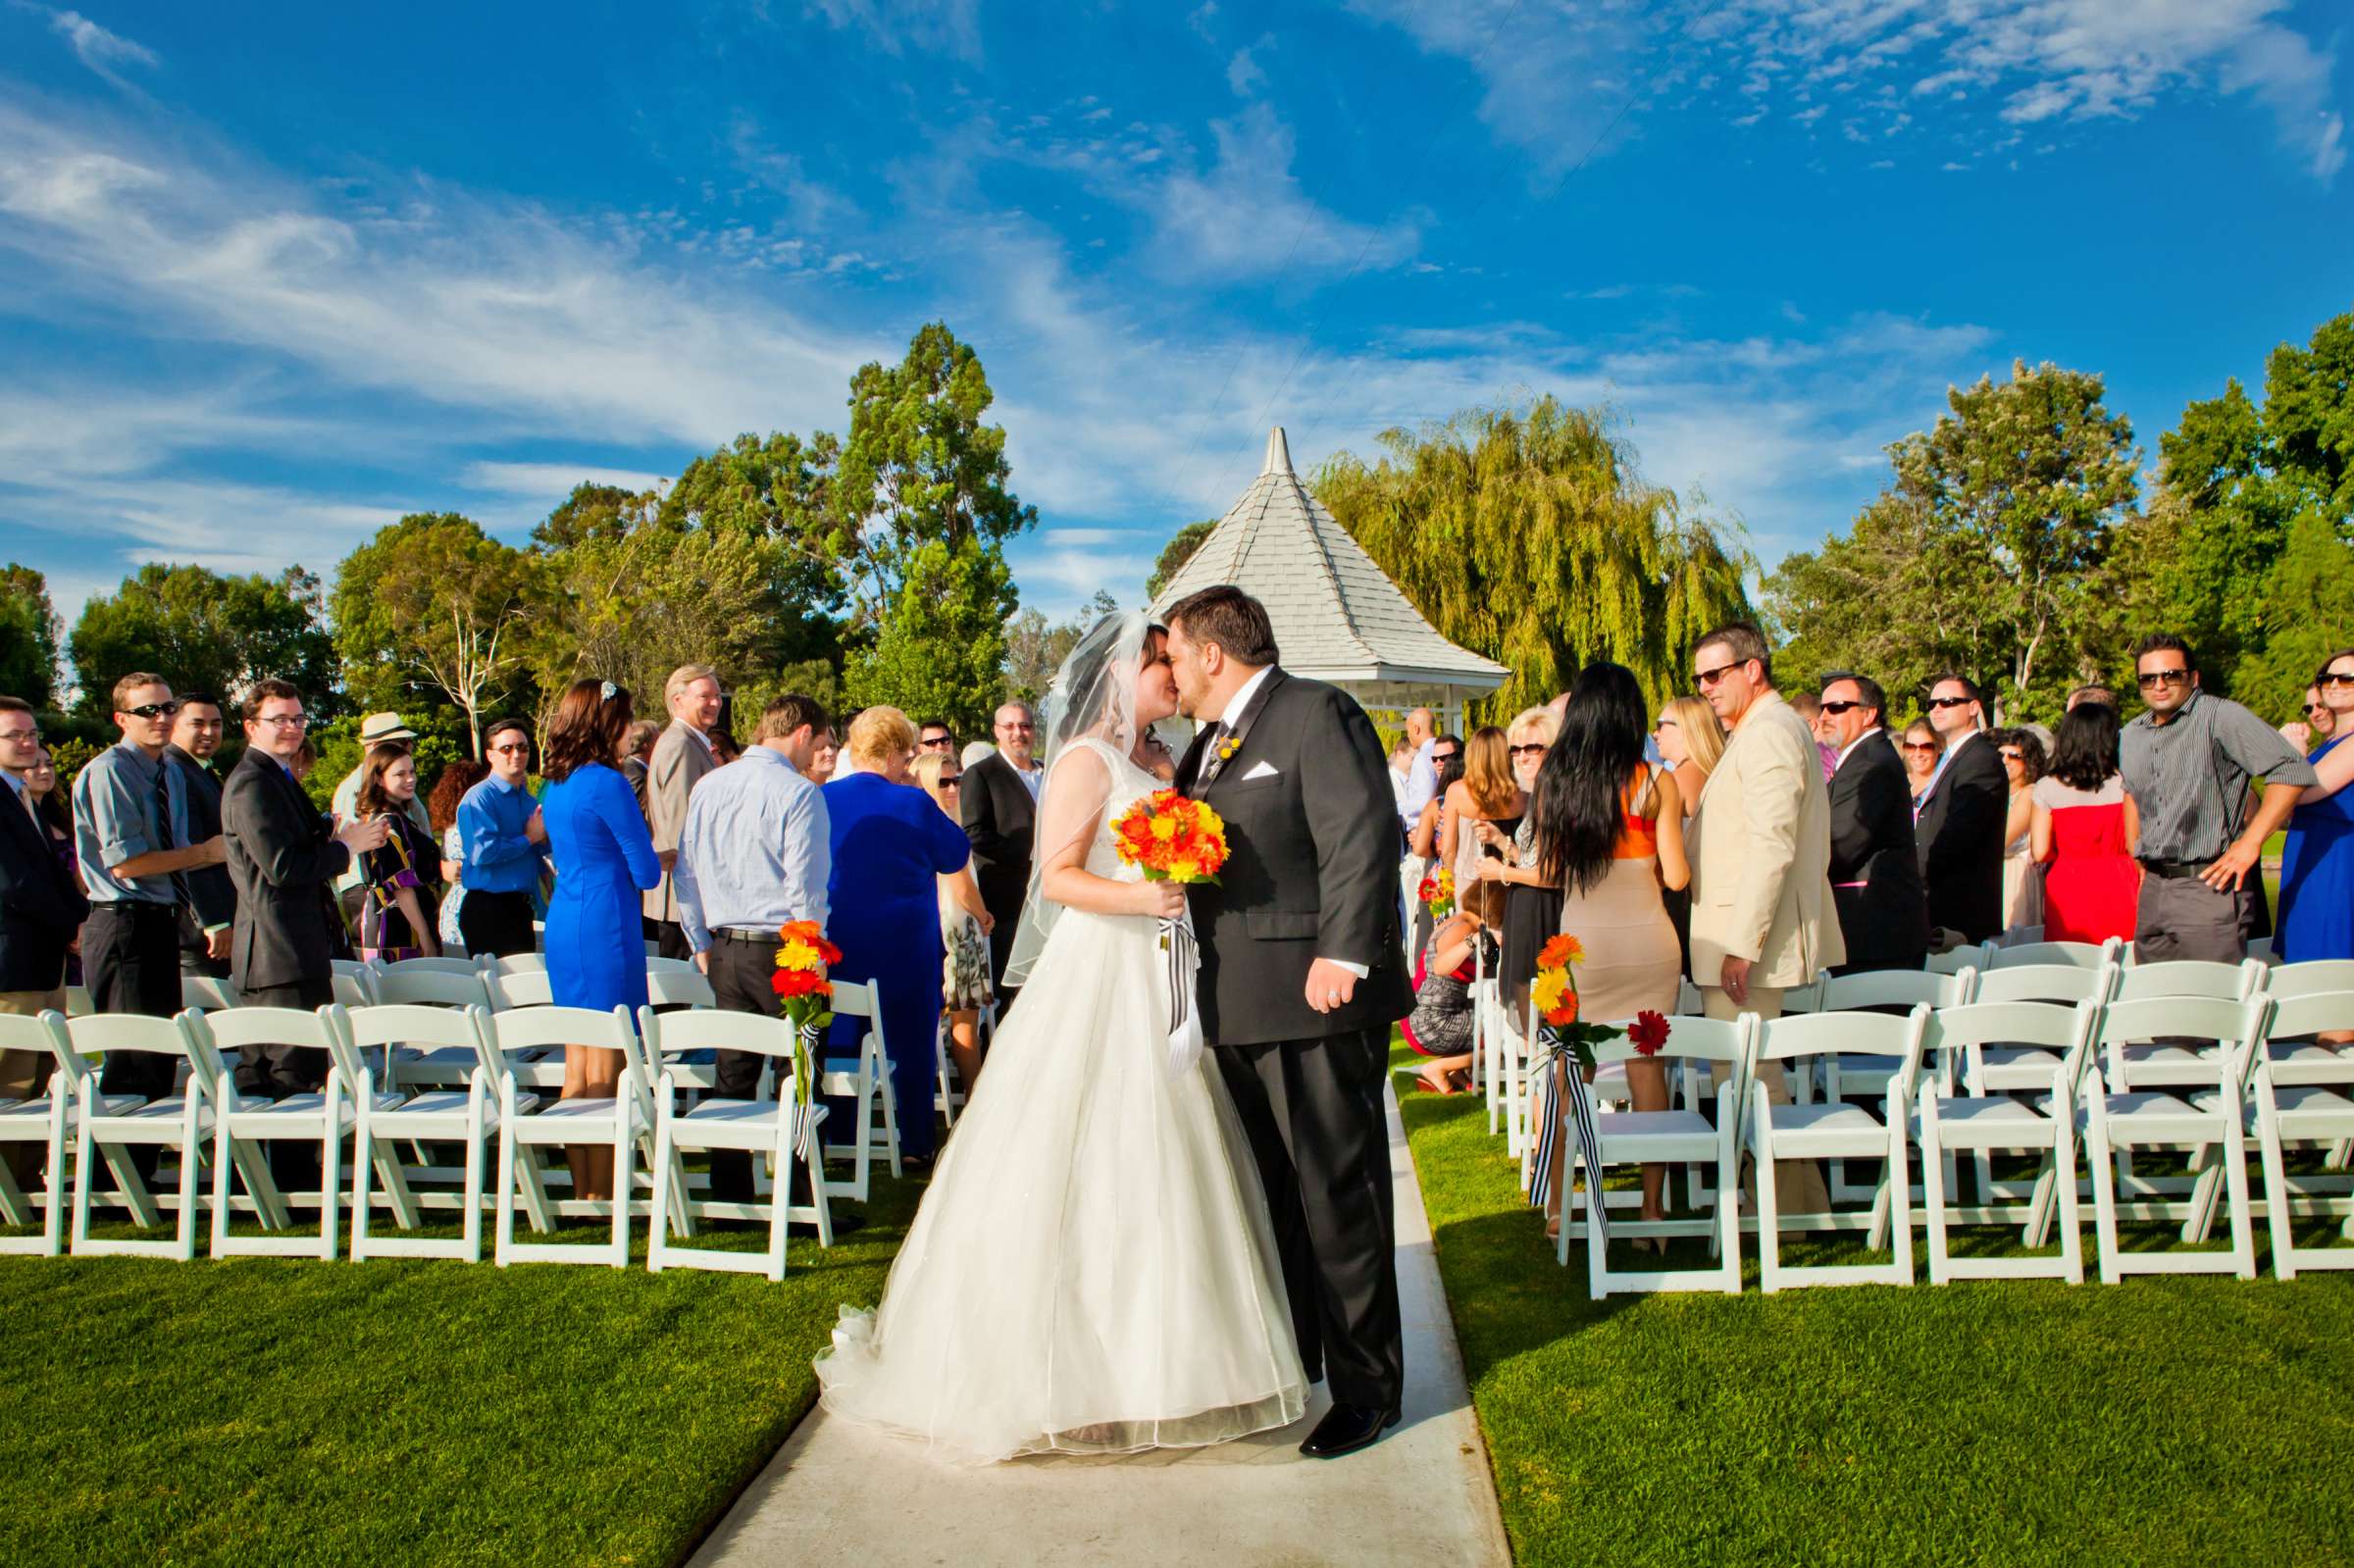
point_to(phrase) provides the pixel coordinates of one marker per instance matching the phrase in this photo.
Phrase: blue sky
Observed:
(272, 276)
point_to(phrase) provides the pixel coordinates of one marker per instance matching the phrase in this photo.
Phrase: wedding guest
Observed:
(1690, 740)
(209, 900)
(1401, 763)
(1447, 761)
(964, 924)
(54, 810)
(284, 856)
(2317, 861)
(1421, 783)
(504, 837)
(401, 877)
(1441, 1027)
(936, 736)
(1809, 709)
(376, 729)
(604, 861)
(683, 757)
(2083, 833)
(41, 910)
(1001, 822)
(2095, 694)
(1532, 904)
(442, 811)
(2022, 754)
(1959, 830)
(2314, 725)
(1608, 831)
(975, 750)
(1762, 918)
(1922, 751)
(636, 751)
(1874, 870)
(1487, 793)
(890, 844)
(2187, 763)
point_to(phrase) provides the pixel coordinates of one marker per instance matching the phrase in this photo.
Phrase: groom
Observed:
(1300, 983)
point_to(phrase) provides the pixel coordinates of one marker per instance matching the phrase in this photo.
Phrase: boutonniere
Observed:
(1228, 747)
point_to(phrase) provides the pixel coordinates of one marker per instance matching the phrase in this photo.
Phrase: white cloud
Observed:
(1247, 216)
(1243, 74)
(96, 47)
(554, 480)
(938, 27)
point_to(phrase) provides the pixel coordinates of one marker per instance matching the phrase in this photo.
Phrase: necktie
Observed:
(166, 829)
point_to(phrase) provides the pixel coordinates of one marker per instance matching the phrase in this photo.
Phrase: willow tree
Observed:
(1529, 537)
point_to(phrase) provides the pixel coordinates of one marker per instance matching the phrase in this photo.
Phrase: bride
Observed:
(1091, 1269)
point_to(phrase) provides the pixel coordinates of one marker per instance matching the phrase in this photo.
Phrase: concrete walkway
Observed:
(840, 1493)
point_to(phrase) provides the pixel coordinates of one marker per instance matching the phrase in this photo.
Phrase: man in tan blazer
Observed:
(682, 757)
(1762, 918)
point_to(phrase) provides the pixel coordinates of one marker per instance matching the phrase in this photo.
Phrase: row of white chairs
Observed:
(2249, 1071)
(417, 1072)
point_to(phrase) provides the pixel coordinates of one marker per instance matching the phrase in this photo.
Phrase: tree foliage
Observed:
(941, 651)
(205, 631)
(1526, 535)
(1035, 648)
(28, 637)
(435, 606)
(1174, 554)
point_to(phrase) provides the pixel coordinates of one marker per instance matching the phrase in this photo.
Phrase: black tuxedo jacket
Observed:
(1960, 837)
(1311, 870)
(1001, 820)
(282, 855)
(212, 898)
(1875, 870)
(41, 908)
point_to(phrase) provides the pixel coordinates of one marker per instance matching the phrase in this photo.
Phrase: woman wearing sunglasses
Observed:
(1921, 748)
(964, 927)
(2317, 861)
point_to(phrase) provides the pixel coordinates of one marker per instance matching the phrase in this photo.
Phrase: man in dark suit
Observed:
(1958, 833)
(285, 855)
(1876, 873)
(41, 910)
(1302, 979)
(1001, 820)
(209, 905)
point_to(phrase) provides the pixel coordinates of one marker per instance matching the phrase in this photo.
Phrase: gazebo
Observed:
(1338, 617)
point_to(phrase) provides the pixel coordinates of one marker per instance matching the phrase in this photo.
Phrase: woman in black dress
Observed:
(1532, 911)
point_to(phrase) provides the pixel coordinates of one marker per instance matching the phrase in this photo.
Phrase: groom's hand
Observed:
(1329, 985)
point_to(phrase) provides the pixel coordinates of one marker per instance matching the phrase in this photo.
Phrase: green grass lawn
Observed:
(2179, 1421)
(260, 1410)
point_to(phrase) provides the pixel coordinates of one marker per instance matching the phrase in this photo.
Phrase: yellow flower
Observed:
(1185, 870)
(1547, 989)
(1165, 829)
(797, 954)
(1211, 823)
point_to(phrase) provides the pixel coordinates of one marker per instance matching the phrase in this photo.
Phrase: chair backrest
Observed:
(208, 991)
(527, 1027)
(855, 998)
(100, 1033)
(2260, 948)
(2234, 1024)
(1805, 998)
(2045, 983)
(77, 1001)
(2313, 1012)
(236, 1027)
(672, 988)
(430, 966)
(1894, 988)
(2311, 978)
(2081, 955)
(1850, 1034)
(1688, 999)
(44, 1034)
(1973, 1026)
(658, 965)
(429, 988)
(342, 1051)
(524, 988)
(425, 1026)
(2020, 935)
(355, 990)
(513, 963)
(2189, 978)
(1970, 955)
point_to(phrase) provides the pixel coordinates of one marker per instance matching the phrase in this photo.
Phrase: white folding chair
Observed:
(618, 1121)
(655, 964)
(46, 1120)
(430, 966)
(1866, 1078)
(2210, 1123)
(207, 991)
(2015, 1067)
(865, 1079)
(682, 985)
(182, 1121)
(770, 1127)
(1970, 955)
(522, 987)
(2314, 977)
(2190, 977)
(467, 1117)
(1838, 1130)
(516, 963)
(1640, 1138)
(244, 1130)
(2076, 955)
(1983, 1123)
(413, 1069)
(2304, 1095)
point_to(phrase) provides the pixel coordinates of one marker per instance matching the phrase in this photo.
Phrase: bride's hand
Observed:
(1164, 900)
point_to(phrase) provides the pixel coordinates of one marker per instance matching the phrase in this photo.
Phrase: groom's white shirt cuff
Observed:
(1358, 970)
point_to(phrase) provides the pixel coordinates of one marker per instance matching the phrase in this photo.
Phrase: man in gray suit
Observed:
(681, 759)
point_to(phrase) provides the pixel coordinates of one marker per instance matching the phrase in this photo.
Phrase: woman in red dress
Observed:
(2085, 831)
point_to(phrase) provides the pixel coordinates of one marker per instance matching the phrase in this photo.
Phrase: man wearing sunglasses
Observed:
(2187, 763)
(132, 840)
(1875, 875)
(1958, 833)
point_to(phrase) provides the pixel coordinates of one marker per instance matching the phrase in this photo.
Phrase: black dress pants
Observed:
(1314, 1115)
(497, 924)
(130, 961)
(740, 982)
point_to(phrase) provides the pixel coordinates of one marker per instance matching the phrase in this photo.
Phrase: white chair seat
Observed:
(2169, 1066)
(1993, 1122)
(571, 1114)
(1656, 1135)
(2309, 1111)
(1822, 1129)
(734, 1123)
(2148, 1117)
(1867, 1075)
(39, 1110)
(157, 1118)
(305, 1108)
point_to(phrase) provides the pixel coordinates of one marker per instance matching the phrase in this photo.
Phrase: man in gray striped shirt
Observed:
(2187, 763)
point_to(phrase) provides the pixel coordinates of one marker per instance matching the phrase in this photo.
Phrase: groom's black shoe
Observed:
(1347, 1428)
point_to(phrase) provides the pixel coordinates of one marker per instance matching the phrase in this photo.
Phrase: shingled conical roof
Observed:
(1338, 615)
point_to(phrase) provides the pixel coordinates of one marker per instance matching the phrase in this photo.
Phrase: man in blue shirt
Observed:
(504, 847)
(754, 852)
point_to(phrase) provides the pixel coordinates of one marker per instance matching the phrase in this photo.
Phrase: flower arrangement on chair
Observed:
(800, 984)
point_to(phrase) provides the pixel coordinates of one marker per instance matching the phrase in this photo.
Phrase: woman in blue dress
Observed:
(604, 859)
(2317, 862)
(890, 846)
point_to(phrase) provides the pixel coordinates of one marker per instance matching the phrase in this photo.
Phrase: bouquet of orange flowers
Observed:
(1436, 894)
(800, 982)
(1172, 837)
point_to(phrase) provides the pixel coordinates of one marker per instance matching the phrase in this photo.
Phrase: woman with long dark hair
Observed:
(400, 877)
(604, 859)
(442, 810)
(2085, 831)
(1610, 833)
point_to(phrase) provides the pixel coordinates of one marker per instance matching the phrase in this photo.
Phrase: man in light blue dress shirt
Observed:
(504, 846)
(754, 852)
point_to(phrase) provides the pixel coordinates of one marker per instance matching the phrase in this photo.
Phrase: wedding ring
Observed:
(1332, 996)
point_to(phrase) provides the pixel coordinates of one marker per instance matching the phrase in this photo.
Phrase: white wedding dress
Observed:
(1091, 1269)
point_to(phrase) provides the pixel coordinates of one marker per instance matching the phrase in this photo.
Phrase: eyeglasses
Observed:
(1022, 724)
(1438, 757)
(285, 721)
(952, 781)
(2335, 677)
(34, 735)
(1916, 745)
(1709, 678)
(2316, 707)
(941, 743)
(1667, 724)
(2010, 755)
(2161, 678)
(1843, 707)
(153, 710)
(519, 749)
(1951, 702)
(1537, 751)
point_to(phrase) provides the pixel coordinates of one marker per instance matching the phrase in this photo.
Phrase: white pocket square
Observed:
(1264, 769)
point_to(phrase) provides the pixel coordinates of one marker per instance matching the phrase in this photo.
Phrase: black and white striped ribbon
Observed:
(1183, 962)
(1547, 1055)
(813, 1049)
